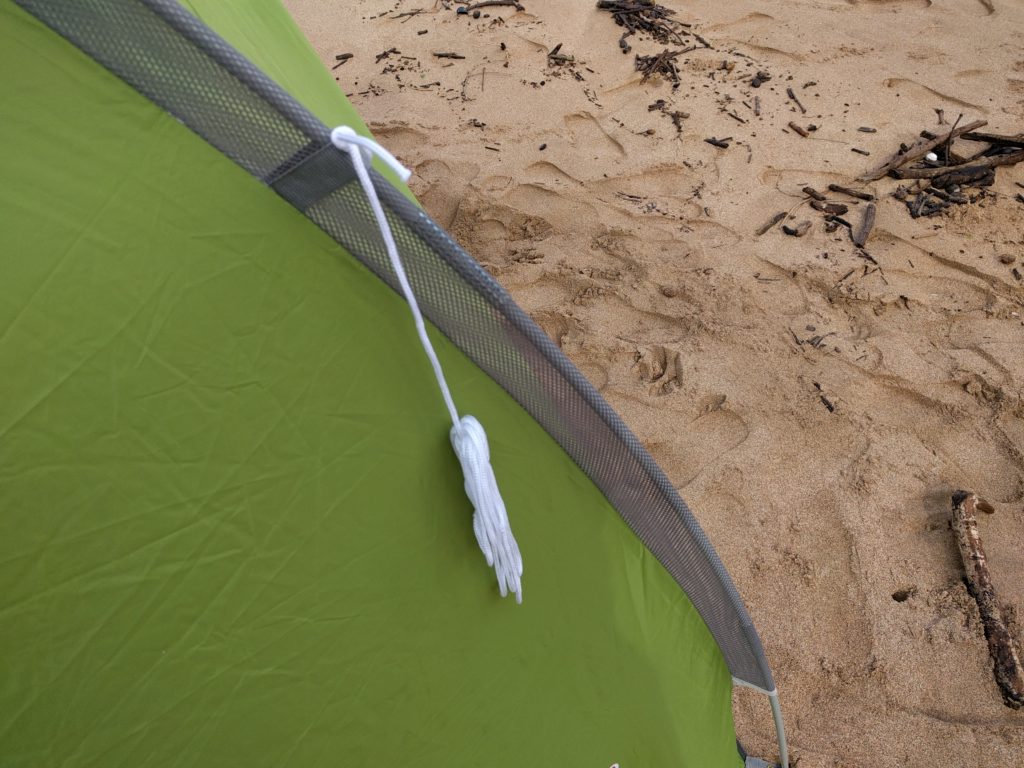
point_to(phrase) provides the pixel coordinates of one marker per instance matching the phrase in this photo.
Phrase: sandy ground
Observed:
(814, 407)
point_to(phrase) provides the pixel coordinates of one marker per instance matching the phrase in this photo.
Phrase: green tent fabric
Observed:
(232, 531)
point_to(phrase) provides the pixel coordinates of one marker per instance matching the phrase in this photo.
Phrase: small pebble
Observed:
(1007, 258)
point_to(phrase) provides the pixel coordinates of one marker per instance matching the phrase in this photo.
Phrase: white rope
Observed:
(490, 519)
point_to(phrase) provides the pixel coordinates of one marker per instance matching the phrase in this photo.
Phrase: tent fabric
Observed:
(231, 529)
(164, 52)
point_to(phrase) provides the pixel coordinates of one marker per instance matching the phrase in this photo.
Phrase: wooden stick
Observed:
(798, 129)
(1006, 664)
(851, 192)
(867, 222)
(789, 92)
(949, 140)
(982, 162)
(770, 223)
(919, 150)
(493, 3)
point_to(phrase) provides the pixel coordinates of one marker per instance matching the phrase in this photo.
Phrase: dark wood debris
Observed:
(469, 8)
(675, 115)
(943, 177)
(773, 221)
(648, 17)
(663, 64)
(859, 194)
(789, 92)
(867, 223)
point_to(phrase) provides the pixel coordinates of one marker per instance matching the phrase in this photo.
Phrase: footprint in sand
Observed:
(586, 131)
(905, 84)
(660, 368)
(702, 443)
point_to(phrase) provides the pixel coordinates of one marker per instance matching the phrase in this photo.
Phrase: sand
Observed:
(815, 408)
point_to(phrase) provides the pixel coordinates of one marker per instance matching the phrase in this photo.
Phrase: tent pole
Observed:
(780, 729)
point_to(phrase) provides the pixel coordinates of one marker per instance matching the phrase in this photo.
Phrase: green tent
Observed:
(232, 530)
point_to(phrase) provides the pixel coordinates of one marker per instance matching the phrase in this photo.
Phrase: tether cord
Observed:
(490, 519)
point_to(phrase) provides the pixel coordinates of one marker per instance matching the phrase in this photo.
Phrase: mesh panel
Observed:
(177, 62)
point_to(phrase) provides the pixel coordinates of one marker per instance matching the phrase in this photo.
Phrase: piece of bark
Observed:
(1006, 664)
(851, 192)
(799, 230)
(770, 223)
(919, 150)
(994, 161)
(867, 223)
(812, 192)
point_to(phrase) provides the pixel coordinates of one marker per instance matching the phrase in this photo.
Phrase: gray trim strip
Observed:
(293, 172)
(306, 180)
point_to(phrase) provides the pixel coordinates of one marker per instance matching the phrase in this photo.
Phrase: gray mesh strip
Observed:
(176, 61)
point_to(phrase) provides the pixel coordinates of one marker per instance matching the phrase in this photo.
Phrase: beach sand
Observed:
(815, 407)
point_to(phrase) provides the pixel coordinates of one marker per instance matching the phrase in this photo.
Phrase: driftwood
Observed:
(802, 131)
(995, 139)
(867, 223)
(969, 175)
(993, 161)
(492, 3)
(770, 223)
(789, 92)
(663, 64)
(646, 16)
(918, 150)
(1006, 664)
(860, 195)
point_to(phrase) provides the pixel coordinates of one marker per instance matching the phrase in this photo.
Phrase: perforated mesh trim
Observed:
(179, 63)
